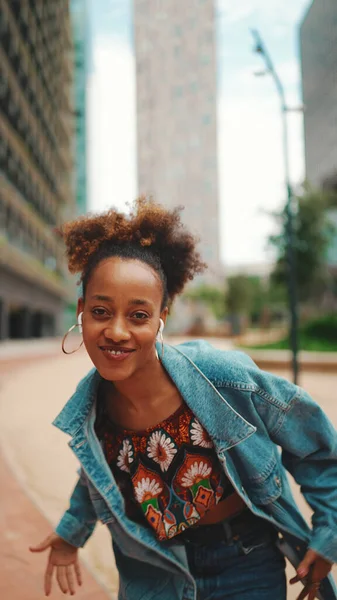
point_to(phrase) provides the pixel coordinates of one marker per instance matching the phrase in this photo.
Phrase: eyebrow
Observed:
(133, 301)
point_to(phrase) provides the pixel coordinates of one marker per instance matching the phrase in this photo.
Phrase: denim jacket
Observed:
(261, 427)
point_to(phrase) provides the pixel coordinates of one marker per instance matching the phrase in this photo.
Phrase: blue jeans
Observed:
(247, 566)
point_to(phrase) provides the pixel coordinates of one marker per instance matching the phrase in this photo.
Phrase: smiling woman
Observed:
(178, 446)
(128, 283)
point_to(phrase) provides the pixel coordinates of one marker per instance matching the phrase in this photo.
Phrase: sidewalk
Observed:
(13, 353)
(22, 523)
(21, 572)
(45, 468)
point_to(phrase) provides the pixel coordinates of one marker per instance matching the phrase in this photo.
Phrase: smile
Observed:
(116, 354)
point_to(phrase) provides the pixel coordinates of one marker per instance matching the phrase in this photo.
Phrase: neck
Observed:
(146, 387)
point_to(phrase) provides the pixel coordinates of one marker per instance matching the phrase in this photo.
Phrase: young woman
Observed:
(179, 446)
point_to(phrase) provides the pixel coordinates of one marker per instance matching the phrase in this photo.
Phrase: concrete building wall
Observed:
(318, 37)
(177, 112)
(36, 162)
(79, 18)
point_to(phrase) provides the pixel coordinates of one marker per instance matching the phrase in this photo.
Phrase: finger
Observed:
(295, 579)
(304, 566)
(303, 593)
(78, 573)
(313, 592)
(70, 580)
(62, 579)
(42, 546)
(48, 579)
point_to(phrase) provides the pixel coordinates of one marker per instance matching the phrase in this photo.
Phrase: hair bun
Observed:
(151, 226)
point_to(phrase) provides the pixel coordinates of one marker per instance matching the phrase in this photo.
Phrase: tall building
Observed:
(79, 18)
(318, 38)
(177, 112)
(36, 191)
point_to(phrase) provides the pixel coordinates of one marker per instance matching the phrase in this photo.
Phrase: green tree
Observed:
(211, 296)
(313, 233)
(240, 294)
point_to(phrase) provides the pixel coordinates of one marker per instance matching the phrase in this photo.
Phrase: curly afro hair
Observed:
(150, 233)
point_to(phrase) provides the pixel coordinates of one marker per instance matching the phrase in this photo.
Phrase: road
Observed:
(30, 397)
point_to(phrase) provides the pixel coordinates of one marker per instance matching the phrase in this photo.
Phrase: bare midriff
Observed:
(226, 508)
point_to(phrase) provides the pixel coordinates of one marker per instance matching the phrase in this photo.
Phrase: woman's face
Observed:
(121, 313)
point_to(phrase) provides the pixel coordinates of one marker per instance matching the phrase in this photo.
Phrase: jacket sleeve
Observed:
(79, 521)
(309, 452)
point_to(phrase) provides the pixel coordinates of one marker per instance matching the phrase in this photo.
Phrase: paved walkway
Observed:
(24, 521)
(31, 395)
(22, 524)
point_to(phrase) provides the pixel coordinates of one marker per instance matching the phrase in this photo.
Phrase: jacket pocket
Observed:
(267, 488)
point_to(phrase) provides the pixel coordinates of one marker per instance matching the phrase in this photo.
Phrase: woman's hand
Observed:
(315, 568)
(64, 559)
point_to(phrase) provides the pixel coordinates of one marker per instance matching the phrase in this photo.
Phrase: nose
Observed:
(117, 330)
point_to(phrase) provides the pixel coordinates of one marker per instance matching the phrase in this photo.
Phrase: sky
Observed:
(251, 175)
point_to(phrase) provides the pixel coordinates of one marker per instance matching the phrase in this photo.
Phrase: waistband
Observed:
(244, 524)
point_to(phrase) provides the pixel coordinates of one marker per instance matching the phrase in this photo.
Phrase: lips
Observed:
(116, 353)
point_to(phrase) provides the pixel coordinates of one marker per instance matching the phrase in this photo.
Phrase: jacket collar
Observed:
(223, 423)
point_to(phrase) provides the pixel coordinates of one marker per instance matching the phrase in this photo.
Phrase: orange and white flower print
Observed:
(125, 456)
(197, 472)
(161, 449)
(147, 489)
(199, 435)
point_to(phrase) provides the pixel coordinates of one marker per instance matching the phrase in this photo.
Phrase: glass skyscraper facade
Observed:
(79, 18)
(36, 164)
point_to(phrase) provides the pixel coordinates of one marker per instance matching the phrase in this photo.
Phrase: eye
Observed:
(140, 316)
(99, 312)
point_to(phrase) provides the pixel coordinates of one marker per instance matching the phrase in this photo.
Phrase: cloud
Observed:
(289, 73)
(250, 136)
(112, 125)
(252, 174)
(280, 12)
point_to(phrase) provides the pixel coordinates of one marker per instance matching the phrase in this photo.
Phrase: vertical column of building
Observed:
(318, 37)
(177, 113)
(79, 19)
(35, 162)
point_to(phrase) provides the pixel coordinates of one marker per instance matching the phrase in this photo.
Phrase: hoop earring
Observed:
(160, 337)
(66, 335)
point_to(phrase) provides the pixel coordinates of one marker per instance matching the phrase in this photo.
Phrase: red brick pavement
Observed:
(22, 525)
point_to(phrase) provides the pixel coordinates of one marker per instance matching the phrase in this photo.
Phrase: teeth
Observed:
(115, 352)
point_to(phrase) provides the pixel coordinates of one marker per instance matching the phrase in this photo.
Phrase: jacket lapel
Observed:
(221, 421)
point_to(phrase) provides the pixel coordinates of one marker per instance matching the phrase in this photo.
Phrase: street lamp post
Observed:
(291, 256)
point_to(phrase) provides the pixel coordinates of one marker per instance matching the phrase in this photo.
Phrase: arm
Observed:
(75, 527)
(309, 452)
(78, 522)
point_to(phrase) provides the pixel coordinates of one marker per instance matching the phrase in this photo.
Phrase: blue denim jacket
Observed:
(249, 414)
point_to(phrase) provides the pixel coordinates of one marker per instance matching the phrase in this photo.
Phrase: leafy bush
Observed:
(323, 328)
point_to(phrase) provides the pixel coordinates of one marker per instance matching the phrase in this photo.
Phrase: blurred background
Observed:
(228, 109)
(103, 101)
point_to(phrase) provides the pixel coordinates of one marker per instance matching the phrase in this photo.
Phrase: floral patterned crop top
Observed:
(169, 474)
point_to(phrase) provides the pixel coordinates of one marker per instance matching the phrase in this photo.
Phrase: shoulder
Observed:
(79, 404)
(218, 365)
(236, 370)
